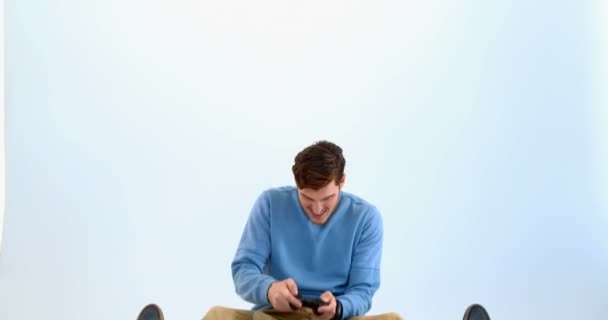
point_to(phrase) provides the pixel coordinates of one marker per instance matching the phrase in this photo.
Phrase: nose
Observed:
(317, 207)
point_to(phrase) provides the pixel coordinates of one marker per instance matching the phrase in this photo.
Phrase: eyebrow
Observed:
(309, 198)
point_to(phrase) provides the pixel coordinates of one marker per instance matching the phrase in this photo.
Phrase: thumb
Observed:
(326, 296)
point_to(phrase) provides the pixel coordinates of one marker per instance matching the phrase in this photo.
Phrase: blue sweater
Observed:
(342, 255)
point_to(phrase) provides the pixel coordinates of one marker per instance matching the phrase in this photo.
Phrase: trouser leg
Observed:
(222, 313)
(278, 315)
(384, 316)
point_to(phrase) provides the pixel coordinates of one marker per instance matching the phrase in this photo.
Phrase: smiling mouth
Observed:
(318, 218)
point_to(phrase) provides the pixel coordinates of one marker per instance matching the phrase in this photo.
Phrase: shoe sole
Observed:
(467, 313)
(160, 312)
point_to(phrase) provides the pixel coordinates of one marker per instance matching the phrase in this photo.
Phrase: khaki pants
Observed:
(221, 313)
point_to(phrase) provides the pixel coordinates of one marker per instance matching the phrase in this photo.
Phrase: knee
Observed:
(393, 316)
(215, 313)
(217, 309)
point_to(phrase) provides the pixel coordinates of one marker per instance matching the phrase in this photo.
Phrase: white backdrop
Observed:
(2, 166)
(139, 133)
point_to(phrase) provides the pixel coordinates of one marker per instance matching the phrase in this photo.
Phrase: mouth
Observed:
(318, 217)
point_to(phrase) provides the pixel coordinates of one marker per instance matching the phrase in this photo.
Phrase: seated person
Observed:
(308, 252)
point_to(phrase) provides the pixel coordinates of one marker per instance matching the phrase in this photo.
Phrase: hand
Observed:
(328, 311)
(282, 295)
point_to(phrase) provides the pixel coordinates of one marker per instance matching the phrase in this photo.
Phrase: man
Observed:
(311, 241)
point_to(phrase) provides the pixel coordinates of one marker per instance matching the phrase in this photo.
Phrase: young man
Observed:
(311, 241)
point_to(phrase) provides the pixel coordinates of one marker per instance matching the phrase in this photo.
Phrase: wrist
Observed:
(338, 314)
(268, 292)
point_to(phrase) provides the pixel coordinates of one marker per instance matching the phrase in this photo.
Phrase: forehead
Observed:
(327, 191)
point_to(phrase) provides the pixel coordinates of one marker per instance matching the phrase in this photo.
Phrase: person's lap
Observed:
(220, 313)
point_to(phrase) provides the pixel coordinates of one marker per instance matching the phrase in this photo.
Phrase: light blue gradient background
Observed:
(139, 133)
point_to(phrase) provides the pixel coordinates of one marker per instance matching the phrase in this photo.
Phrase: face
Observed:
(320, 204)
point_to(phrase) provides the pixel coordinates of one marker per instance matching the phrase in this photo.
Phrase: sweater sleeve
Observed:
(364, 278)
(253, 252)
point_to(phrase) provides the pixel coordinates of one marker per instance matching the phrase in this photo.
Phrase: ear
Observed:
(342, 181)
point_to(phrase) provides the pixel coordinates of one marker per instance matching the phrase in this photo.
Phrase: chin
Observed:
(316, 220)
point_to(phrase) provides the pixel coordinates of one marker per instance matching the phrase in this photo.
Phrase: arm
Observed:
(364, 278)
(253, 252)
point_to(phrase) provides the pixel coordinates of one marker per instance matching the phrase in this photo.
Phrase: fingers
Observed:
(327, 297)
(291, 285)
(281, 297)
(294, 302)
(292, 288)
(327, 311)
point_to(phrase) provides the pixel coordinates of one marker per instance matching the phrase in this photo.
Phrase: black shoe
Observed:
(151, 312)
(476, 312)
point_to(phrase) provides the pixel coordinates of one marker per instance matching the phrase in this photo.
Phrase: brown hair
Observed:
(318, 164)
